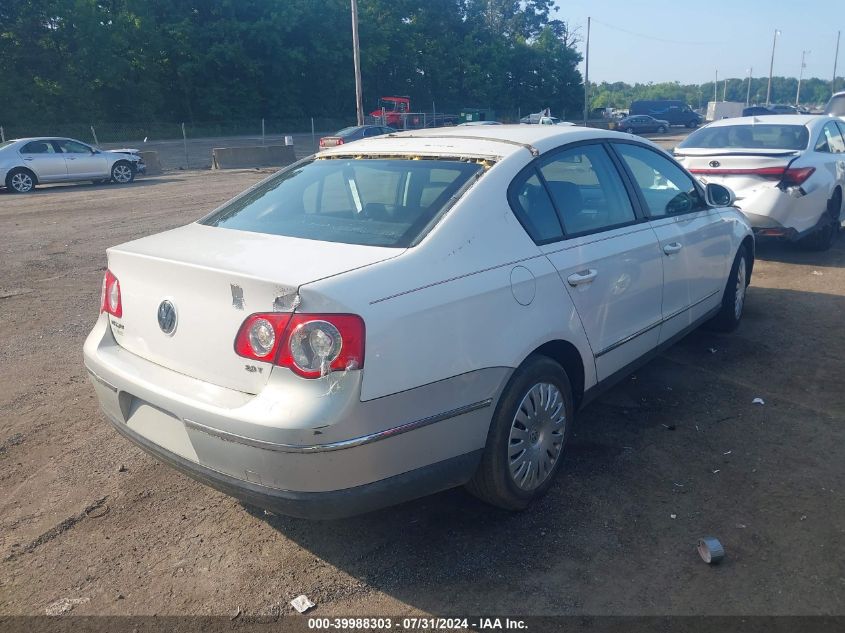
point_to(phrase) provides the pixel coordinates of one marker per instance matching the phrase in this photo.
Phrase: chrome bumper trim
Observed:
(340, 445)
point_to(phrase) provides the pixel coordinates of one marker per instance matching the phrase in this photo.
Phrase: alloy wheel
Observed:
(122, 173)
(22, 182)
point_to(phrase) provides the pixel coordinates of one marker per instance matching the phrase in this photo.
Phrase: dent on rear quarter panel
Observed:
(445, 307)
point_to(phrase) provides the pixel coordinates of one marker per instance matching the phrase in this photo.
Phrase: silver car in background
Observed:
(27, 162)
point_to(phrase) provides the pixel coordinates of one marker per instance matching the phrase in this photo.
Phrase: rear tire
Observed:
(527, 437)
(20, 180)
(733, 299)
(825, 236)
(661, 129)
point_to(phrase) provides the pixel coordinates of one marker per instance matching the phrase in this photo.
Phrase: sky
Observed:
(648, 40)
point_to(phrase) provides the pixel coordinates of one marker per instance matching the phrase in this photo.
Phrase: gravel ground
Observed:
(673, 453)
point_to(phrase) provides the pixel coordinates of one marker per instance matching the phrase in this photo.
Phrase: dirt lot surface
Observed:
(675, 452)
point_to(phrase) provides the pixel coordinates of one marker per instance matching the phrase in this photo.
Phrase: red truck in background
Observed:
(392, 108)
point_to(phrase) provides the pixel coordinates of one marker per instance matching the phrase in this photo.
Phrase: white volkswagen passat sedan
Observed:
(788, 172)
(27, 162)
(415, 312)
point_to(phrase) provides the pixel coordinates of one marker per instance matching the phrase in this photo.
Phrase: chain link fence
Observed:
(187, 145)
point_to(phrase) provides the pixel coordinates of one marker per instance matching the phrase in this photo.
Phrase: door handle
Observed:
(674, 247)
(27, 158)
(582, 277)
(70, 158)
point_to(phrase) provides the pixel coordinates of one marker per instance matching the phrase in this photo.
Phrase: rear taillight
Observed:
(322, 142)
(764, 172)
(338, 141)
(110, 296)
(796, 176)
(310, 345)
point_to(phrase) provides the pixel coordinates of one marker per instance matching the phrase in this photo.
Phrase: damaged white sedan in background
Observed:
(788, 172)
(416, 312)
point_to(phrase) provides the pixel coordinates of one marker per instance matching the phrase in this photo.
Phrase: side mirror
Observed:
(719, 195)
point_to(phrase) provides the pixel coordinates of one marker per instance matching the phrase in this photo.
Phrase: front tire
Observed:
(733, 300)
(661, 129)
(122, 172)
(527, 437)
(20, 180)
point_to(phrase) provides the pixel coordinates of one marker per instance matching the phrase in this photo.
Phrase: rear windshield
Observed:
(756, 136)
(374, 202)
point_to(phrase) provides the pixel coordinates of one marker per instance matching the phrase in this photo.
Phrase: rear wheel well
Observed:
(566, 355)
(748, 243)
(27, 170)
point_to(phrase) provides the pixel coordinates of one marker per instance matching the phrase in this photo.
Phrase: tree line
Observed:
(215, 60)
(619, 95)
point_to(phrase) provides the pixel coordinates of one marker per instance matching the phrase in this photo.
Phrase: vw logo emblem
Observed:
(715, 163)
(167, 317)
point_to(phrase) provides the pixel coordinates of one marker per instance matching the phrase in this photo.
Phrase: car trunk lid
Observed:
(738, 169)
(215, 277)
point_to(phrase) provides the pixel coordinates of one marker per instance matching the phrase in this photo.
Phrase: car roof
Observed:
(44, 138)
(772, 119)
(482, 140)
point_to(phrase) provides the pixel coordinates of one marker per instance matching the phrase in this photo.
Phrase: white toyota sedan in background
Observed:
(419, 311)
(787, 171)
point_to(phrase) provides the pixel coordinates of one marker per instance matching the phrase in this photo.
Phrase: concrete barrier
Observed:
(257, 156)
(152, 162)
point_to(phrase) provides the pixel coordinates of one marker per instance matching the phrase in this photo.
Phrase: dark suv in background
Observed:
(672, 111)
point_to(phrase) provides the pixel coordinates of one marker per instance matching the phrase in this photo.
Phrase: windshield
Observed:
(391, 106)
(346, 130)
(374, 202)
(757, 136)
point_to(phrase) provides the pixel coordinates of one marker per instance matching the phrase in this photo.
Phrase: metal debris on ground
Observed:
(673, 516)
(710, 550)
(236, 614)
(818, 272)
(121, 469)
(758, 401)
(302, 603)
(64, 605)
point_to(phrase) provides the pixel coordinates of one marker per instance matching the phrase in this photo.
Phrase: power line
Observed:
(651, 37)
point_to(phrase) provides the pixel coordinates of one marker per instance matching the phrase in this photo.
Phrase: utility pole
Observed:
(748, 93)
(771, 68)
(587, 75)
(356, 54)
(725, 91)
(835, 59)
(800, 77)
(716, 86)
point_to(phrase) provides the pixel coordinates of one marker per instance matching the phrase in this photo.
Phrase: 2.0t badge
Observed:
(167, 317)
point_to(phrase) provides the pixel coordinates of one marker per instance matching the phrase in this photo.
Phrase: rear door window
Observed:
(586, 190)
(376, 202)
(38, 147)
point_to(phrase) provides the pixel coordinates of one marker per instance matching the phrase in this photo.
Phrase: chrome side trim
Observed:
(101, 380)
(343, 444)
(630, 337)
(649, 328)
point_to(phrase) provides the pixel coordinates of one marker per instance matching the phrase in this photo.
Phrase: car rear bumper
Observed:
(347, 459)
(334, 504)
(793, 210)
